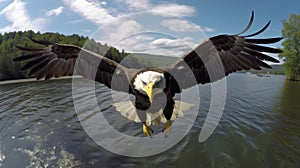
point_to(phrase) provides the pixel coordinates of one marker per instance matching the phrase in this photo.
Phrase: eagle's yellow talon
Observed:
(147, 130)
(167, 128)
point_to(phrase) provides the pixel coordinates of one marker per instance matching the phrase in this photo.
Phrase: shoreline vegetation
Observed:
(10, 70)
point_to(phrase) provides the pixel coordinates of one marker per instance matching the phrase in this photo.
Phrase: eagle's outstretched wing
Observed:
(56, 60)
(221, 55)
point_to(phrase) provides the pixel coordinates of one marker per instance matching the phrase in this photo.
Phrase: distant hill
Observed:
(277, 67)
(276, 70)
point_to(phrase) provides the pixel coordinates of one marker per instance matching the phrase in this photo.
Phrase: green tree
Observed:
(291, 47)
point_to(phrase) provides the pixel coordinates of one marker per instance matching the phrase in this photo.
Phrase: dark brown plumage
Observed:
(221, 55)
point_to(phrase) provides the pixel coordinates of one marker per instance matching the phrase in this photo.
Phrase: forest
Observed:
(12, 70)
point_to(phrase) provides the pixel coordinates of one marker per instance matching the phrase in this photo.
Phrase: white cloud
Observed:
(173, 9)
(113, 28)
(122, 31)
(135, 43)
(208, 29)
(3, 1)
(163, 9)
(162, 46)
(186, 42)
(137, 4)
(103, 3)
(90, 10)
(173, 47)
(119, 29)
(144, 38)
(179, 25)
(55, 12)
(142, 42)
(17, 14)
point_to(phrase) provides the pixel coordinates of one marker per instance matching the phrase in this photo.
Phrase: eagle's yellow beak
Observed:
(148, 89)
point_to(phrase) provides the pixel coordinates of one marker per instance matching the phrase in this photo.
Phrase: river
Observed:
(260, 127)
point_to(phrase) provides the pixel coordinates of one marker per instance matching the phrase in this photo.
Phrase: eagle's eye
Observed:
(157, 83)
(144, 83)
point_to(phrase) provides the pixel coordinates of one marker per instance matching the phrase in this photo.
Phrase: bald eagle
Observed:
(154, 88)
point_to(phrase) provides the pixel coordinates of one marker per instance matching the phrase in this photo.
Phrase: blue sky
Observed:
(152, 26)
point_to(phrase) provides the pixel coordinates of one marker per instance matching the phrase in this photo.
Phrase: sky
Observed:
(163, 27)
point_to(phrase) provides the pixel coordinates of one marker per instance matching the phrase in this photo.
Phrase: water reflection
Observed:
(286, 130)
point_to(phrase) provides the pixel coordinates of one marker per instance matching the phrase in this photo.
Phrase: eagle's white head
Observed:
(150, 83)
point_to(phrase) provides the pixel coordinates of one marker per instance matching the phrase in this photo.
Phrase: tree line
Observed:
(12, 70)
(291, 47)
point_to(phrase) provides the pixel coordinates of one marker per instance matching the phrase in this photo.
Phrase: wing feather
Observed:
(29, 56)
(264, 41)
(40, 65)
(260, 31)
(249, 24)
(221, 55)
(56, 60)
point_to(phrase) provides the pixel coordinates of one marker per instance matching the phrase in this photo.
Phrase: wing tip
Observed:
(28, 48)
(42, 42)
(17, 59)
(250, 24)
(260, 31)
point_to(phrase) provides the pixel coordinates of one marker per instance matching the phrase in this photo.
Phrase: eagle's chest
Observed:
(142, 102)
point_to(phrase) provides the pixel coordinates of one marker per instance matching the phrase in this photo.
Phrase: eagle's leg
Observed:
(168, 111)
(147, 130)
(167, 128)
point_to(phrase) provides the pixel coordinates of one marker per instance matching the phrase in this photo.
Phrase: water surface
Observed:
(260, 127)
